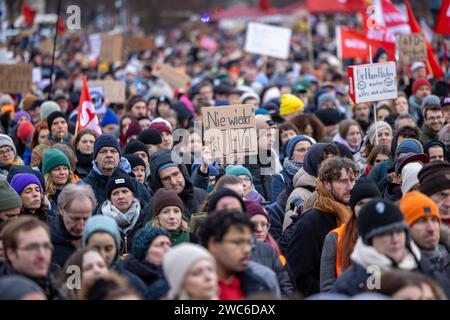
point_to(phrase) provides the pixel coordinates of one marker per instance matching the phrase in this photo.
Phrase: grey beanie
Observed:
(47, 108)
(431, 100)
(6, 99)
(15, 287)
(7, 141)
(324, 98)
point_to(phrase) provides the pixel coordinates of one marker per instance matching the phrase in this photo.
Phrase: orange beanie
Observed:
(415, 205)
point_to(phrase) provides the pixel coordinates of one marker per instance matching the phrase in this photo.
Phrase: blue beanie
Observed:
(409, 146)
(293, 141)
(22, 180)
(109, 118)
(237, 171)
(106, 140)
(100, 223)
(143, 240)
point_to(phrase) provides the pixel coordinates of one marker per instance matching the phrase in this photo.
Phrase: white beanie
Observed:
(270, 94)
(7, 141)
(178, 261)
(409, 176)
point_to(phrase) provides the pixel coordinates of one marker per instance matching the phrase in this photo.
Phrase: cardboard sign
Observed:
(112, 48)
(140, 44)
(372, 82)
(170, 75)
(47, 46)
(230, 131)
(268, 40)
(15, 78)
(114, 90)
(411, 48)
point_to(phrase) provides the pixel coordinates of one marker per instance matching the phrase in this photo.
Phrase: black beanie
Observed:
(133, 146)
(363, 189)
(119, 179)
(329, 117)
(52, 117)
(378, 217)
(134, 160)
(150, 136)
(225, 192)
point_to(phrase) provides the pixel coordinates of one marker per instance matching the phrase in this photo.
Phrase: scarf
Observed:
(84, 160)
(326, 203)
(292, 166)
(127, 220)
(178, 236)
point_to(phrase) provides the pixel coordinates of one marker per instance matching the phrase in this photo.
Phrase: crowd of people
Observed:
(343, 200)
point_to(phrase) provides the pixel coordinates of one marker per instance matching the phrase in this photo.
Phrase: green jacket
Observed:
(426, 134)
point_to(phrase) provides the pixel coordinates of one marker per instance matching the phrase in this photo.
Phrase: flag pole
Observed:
(374, 108)
(54, 50)
(310, 42)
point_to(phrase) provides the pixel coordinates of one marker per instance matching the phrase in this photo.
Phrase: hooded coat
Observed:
(61, 240)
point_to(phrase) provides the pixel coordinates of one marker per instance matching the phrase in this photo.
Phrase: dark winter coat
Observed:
(84, 165)
(147, 272)
(61, 240)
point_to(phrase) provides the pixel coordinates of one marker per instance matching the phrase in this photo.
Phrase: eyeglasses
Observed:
(241, 242)
(435, 118)
(5, 153)
(34, 247)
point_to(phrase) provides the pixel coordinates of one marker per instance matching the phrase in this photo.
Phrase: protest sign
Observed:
(15, 78)
(112, 48)
(372, 82)
(113, 90)
(140, 44)
(170, 75)
(37, 74)
(98, 99)
(411, 48)
(268, 40)
(230, 131)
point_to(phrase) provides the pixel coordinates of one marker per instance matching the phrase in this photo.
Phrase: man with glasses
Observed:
(434, 119)
(336, 178)
(28, 252)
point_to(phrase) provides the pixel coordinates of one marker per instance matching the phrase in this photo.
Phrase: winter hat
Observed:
(119, 179)
(378, 217)
(134, 146)
(434, 177)
(183, 112)
(15, 287)
(251, 95)
(290, 104)
(409, 158)
(166, 198)
(53, 116)
(134, 129)
(109, 118)
(376, 127)
(53, 158)
(409, 146)
(8, 108)
(150, 136)
(28, 100)
(272, 93)
(105, 140)
(101, 223)
(9, 199)
(47, 108)
(363, 189)
(419, 83)
(409, 176)
(263, 121)
(20, 114)
(166, 122)
(225, 192)
(329, 117)
(313, 158)
(7, 141)
(238, 171)
(293, 142)
(133, 100)
(415, 205)
(178, 261)
(25, 130)
(324, 98)
(431, 101)
(22, 180)
(416, 65)
(14, 170)
(435, 143)
(160, 127)
(6, 99)
(134, 160)
(254, 208)
(143, 239)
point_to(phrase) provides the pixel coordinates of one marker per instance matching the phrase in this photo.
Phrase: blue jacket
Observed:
(279, 182)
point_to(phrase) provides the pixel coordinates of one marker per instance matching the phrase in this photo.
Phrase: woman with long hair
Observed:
(309, 125)
(84, 145)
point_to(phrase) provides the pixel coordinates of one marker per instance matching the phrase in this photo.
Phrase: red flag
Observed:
(61, 25)
(443, 23)
(330, 6)
(433, 63)
(87, 116)
(28, 15)
(264, 5)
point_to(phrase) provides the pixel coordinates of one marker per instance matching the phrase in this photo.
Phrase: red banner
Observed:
(331, 6)
(443, 23)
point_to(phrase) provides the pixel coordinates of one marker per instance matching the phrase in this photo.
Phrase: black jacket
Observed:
(133, 279)
(262, 183)
(84, 165)
(191, 196)
(61, 240)
(305, 248)
(252, 284)
(149, 273)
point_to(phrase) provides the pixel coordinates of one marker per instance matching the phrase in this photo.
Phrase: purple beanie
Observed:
(21, 114)
(22, 180)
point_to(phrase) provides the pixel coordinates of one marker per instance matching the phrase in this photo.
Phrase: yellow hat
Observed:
(290, 104)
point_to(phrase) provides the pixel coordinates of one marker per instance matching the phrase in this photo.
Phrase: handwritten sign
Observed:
(112, 48)
(268, 40)
(170, 75)
(411, 48)
(372, 82)
(141, 44)
(15, 78)
(114, 90)
(230, 130)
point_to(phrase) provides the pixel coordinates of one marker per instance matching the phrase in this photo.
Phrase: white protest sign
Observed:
(372, 82)
(98, 99)
(268, 40)
(37, 74)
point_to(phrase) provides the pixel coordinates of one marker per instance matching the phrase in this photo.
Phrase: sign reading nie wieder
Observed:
(372, 82)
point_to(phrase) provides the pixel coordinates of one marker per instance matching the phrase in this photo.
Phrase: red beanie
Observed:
(419, 83)
(25, 130)
(161, 127)
(254, 208)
